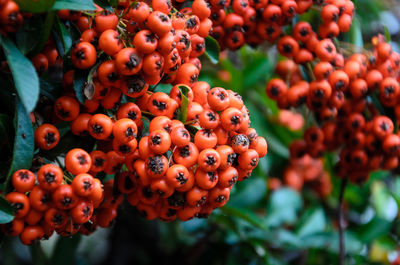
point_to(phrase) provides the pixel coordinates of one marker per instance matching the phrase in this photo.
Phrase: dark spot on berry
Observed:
(181, 178)
(49, 177)
(82, 160)
(156, 164)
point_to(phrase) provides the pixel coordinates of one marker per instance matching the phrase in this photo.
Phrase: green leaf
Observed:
(104, 4)
(387, 33)
(236, 83)
(63, 128)
(374, 229)
(383, 202)
(80, 82)
(253, 191)
(35, 6)
(330, 241)
(275, 143)
(65, 250)
(6, 211)
(74, 32)
(146, 123)
(24, 74)
(283, 207)
(243, 214)
(356, 35)
(212, 49)
(312, 221)
(256, 71)
(23, 142)
(65, 36)
(184, 90)
(286, 239)
(395, 190)
(74, 5)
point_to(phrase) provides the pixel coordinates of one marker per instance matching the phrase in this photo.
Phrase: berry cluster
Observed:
(255, 21)
(177, 168)
(177, 175)
(340, 94)
(304, 171)
(172, 155)
(47, 203)
(144, 45)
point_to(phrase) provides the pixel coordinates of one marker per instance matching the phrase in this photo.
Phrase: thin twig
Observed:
(342, 250)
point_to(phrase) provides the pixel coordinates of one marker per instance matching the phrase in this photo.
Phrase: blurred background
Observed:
(286, 213)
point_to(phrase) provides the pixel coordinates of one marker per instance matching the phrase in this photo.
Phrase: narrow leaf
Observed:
(184, 90)
(24, 74)
(256, 71)
(65, 36)
(35, 6)
(74, 5)
(243, 214)
(387, 33)
(80, 82)
(312, 222)
(212, 49)
(6, 211)
(23, 142)
(356, 35)
(104, 4)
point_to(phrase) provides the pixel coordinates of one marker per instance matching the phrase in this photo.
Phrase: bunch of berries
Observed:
(172, 155)
(181, 168)
(304, 171)
(187, 171)
(141, 45)
(354, 97)
(51, 201)
(237, 22)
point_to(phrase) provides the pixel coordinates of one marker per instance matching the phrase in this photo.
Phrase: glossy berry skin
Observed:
(19, 203)
(83, 55)
(78, 161)
(83, 185)
(23, 180)
(49, 177)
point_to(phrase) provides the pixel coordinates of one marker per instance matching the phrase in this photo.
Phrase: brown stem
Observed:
(342, 250)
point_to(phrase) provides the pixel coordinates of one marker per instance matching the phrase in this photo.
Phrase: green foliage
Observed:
(184, 90)
(106, 4)
(35, 6)
(24, 74)
(74, 5)
(212, 49)
(23, 143)
(6, 211)
(80, 83)
(283, 206)
(65, 37)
